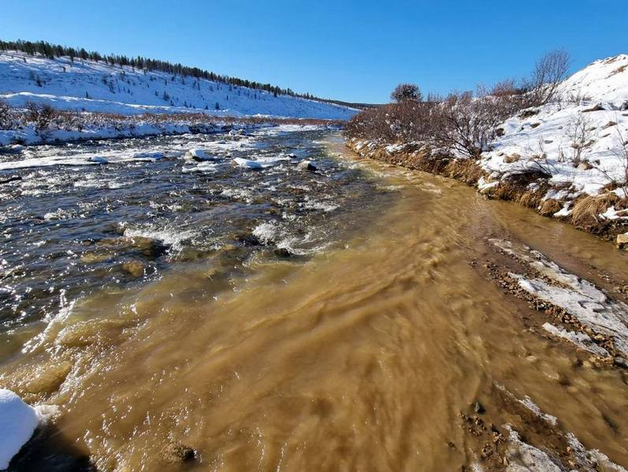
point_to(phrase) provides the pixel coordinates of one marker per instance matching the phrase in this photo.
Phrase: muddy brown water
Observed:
(361, 358)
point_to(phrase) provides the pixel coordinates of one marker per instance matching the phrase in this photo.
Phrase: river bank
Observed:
(601, 215)
(46, 125)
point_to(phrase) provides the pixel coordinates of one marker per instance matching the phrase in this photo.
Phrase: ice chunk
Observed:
(17, 424)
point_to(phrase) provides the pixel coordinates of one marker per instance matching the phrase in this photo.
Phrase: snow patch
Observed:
(17, 424)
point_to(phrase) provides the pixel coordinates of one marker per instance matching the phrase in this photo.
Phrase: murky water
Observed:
(355, 350)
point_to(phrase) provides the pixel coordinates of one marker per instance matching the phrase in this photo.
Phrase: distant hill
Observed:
(71, 79)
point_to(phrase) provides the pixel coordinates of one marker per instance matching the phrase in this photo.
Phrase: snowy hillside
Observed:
(580, 142)
(99, 86)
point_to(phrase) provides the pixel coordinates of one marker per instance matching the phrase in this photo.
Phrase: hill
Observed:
(73, 83)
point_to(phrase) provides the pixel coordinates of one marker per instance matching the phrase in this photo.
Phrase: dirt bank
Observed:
(529, 188)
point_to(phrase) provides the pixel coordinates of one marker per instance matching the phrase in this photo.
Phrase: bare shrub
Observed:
(579, 137)
(406, 92)
(40, 115)
(6, 115)
(461, 122)
(549, 71)
(467, 124)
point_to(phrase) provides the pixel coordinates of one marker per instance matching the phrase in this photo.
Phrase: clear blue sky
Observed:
(354, 50)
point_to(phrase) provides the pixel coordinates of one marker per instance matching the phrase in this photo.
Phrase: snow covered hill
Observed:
(580, 142)
(101, 87)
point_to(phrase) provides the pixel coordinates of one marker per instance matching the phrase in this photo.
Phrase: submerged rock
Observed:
(134, 268)
(176, 452)
(17, 424)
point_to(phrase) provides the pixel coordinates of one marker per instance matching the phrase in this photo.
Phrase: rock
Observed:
(17, 424)
(620, 362)
(95, 257)
(478, 408)
(175, 452)
(282, 252)
(149, 247)
(248, 239)
(622, 241)
(247, 163)
(134, 268)
(306, 165)
(98, 160)
(197, 155)
(17, 148)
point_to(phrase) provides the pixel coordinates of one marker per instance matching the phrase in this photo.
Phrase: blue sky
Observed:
(354, 50)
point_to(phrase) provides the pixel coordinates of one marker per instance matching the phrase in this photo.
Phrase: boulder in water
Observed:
(247, 163)
(134, 268)
(197, 155)
(306, 165)
(98, 160)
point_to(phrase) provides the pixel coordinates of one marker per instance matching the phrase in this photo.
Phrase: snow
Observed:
(98, 160)
(17, 424)
(197, 155)
(247, 163)
(578, 297)
(582, 340)
(527, 458)
(603, 80)
(99, 87)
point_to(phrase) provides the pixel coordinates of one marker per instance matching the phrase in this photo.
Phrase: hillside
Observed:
(580, 142)
(78, 84)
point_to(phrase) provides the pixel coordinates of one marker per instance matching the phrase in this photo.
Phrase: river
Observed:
(202, 316)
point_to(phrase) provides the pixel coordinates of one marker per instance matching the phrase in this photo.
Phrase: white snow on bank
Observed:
(17, 424)
(100, 87)
(582, 340)
(578, 297)
(526, 458)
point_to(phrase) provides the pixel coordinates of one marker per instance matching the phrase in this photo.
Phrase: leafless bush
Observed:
(549, 71)
(621, 153)
(461, 122)
(41, 115)
(467, 124)
(6, 115)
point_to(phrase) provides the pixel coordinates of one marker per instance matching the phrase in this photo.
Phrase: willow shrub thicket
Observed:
(461, 122)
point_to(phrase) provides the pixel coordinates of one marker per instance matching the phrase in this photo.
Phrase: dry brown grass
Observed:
(549, 207)
(586, 212)
(516, 188)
